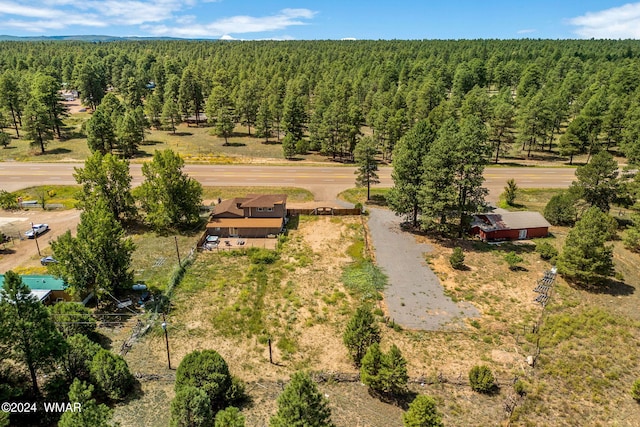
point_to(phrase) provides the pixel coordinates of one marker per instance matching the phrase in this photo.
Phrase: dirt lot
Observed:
(24, 253)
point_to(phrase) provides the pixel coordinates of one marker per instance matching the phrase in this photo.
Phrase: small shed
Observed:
(46, 288)
(509, 225)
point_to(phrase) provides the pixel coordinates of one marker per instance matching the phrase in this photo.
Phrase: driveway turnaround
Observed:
(414, 296)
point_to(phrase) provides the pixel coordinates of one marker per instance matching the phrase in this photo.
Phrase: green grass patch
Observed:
(155, 257)
(294, 194)
(572, 342)
(364, 279)
(356, 251)
(531, 199)
(359, 195)
(65, 195)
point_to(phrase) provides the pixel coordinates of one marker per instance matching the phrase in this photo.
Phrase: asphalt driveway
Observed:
(414, 297)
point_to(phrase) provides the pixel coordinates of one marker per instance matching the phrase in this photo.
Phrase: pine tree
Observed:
(367, 165)
(598, 182)
(510, 192)
(28, 335)
(170, 114)
(38, 124)
(288, 146)
(301, 405)
(98, 259)
(101, 136)
(191, 408)
(91, 413)
(361, 332)
(422, 412)
(585, 259)
(408, 170)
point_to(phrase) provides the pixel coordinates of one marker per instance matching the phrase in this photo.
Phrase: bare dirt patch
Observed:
(22, 255)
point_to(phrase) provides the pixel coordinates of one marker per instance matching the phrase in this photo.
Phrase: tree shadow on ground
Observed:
(182, 134)
(58, 150)
(402, 401)
(274, 142)
(150, 142)
(377, 200)
(609, 286)
(234, 144)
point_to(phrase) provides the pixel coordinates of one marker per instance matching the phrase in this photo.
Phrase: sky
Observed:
(324, 19)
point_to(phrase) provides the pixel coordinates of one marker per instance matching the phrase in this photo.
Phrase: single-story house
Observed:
(256, 215)
(47, 289)
(509, 225)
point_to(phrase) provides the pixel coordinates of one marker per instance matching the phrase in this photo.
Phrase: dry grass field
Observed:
(588, 340)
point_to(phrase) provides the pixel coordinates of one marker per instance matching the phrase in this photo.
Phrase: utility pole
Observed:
(166, 338)
(35, 237)
(177, 250)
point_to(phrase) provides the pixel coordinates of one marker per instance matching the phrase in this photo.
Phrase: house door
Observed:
(522, 234)
(233, 231)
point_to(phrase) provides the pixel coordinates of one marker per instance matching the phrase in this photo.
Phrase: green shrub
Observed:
(457, 258)
(520, 387)
(384, 373)
(422, 413)
(262, 256)
(207, 371)
(510, 192)
(229, 417)
(481, 379)
(561, 209)
(111, 373)
(513, 259)
(191, 408)
(547, 251)
(635, 390)
(73, 318)
(8, 200)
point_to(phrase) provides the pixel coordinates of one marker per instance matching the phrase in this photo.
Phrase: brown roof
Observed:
(264, 200)
(230, 206)
(245, 222)
(509, 221)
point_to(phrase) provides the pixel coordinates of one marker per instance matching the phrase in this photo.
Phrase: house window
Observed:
(217, 228)
(259, 209)
(265, 209)
(269, 209)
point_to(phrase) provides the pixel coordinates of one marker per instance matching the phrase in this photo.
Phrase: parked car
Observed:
(48, 260)
(36, 230)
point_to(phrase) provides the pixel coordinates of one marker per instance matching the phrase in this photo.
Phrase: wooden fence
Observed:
(324, 211)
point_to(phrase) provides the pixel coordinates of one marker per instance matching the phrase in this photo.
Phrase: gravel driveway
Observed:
(414, 297)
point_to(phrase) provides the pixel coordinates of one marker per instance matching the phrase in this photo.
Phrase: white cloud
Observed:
(616, 23)
(527, 31)
(240, 24)
(158, 17)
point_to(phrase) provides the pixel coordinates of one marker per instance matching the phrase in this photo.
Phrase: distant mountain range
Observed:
(87, 38)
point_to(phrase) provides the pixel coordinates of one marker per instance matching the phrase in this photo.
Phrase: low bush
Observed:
(457, 258)
(481, 379)
(547, 251)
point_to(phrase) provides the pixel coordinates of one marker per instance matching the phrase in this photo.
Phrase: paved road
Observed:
(415, 298)
(324, 181)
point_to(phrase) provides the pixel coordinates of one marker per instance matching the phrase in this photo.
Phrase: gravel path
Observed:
(414, 297)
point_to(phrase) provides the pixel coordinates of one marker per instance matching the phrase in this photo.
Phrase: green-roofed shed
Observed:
(38, 283)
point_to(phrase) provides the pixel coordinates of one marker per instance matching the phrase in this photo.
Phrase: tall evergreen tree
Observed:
(585, 259)
(38, 124)
(98, 259)
(101, 136)
(367, 165)
(27, 334)
(408, 170)
(598, 183)
(10, 97)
